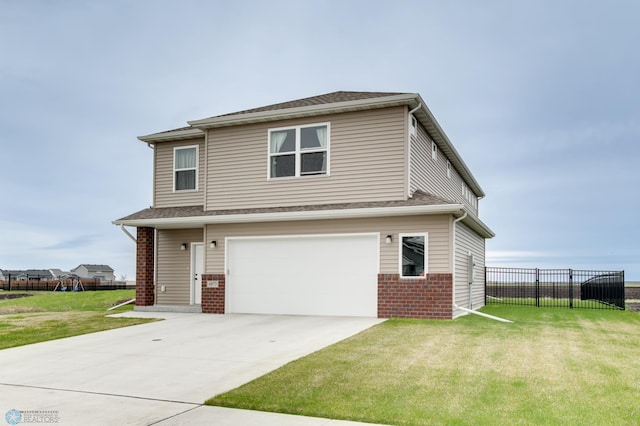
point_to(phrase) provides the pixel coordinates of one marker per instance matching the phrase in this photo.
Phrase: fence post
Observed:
(537, 287)
(570, 288)
(485, 285)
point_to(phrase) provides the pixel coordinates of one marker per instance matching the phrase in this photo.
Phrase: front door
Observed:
(197, 268)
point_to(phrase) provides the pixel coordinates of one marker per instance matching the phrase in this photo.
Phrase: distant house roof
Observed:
(40, 273)
(94, 268)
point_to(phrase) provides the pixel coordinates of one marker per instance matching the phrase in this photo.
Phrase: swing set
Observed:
(76, 284)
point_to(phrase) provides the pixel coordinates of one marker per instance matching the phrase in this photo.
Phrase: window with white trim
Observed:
(185, 168)
(413, 255)
(299, 151)
(414, 125)
(469, 195)
(448, 169)
(434, 151)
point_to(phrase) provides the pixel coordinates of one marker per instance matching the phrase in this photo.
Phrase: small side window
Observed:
(414, 125)
(448, 169)
(413, 255)
(434, 151)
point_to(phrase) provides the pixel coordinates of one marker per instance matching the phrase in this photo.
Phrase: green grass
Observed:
(551, 366)
(48, 315)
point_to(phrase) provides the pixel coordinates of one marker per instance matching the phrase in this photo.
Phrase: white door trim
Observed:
(196, 271)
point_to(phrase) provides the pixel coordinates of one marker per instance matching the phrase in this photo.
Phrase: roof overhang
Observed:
(456, 210)
(305, 111)
(172, 135)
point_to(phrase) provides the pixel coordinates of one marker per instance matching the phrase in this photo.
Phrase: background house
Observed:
(26, 275)
(100, 272)
(348, 203)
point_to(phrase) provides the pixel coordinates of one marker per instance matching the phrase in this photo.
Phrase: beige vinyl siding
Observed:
(468, 241)
(437, 226)
(431, 176)
(173, 268)
(164, 196)
(366, 163)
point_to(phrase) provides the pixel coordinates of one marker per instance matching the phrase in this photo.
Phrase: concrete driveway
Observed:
(160, 371)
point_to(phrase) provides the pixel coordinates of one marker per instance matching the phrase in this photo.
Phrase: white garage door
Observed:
(311, 275)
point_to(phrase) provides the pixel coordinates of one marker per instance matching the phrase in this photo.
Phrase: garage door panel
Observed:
(332, 275)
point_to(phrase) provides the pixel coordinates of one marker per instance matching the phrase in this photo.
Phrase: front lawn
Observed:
(45, 316)
(551, 366)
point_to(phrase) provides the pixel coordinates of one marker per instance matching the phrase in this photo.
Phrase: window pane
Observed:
(314, 163)
(185, 179)
(283, 141)
(413, 256)
(313, 137)
(283, 165)
(185, 158)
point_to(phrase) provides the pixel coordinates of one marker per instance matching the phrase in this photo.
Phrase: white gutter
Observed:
(128, 233)
(409, 147)
(294, 215)
(172, 135)
(253, 117)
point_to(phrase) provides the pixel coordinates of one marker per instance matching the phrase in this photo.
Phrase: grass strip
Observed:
(46, 316)
(551, 366)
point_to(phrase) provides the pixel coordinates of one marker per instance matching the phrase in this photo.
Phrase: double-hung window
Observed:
(299, 151)
(413, 255)
(185, 168)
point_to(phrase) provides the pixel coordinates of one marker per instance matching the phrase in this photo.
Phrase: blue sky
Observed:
(541, 98)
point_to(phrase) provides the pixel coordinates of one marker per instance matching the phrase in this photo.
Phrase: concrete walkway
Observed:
(161, 373)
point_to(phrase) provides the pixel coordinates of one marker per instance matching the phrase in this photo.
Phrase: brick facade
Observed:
(213, 298)
(144, 267)
(428, 297)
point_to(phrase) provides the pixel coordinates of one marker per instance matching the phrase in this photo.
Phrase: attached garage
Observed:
(303, 275)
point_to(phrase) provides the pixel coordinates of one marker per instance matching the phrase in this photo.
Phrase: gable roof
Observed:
(94, 268)
(41, 273)
(330, 103)
(328, 98)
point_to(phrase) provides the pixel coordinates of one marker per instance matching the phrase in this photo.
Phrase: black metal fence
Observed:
(567, 288)
(44, 283)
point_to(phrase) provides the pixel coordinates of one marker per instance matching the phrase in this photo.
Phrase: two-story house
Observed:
(348, 204)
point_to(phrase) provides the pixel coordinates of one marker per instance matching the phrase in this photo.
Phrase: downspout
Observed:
(409, 194)
(453, 263)
(416, 108)
(153, 196)
(453, 287)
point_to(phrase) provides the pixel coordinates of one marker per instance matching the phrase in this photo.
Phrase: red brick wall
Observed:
(213, 298)
(144, 267)
(428, 297)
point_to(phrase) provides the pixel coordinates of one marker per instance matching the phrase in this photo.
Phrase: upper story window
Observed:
(434, 151)
(299, 151)
(185, 168)
(414, 125)
(448, 169)
(469, 195)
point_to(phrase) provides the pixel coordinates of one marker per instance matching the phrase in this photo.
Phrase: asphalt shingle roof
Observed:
(419, 199)
(328, 98)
